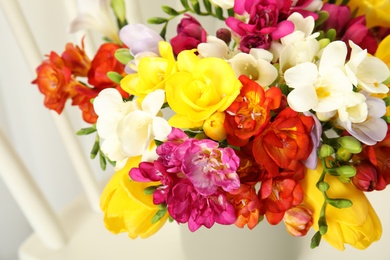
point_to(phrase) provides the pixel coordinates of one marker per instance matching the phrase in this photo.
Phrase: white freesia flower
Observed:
(138, 129)
(213, 47)
(355, 108)
(301, 45)
(110, 108)
(322, 89)
(374, 128)
(367, 72)
(256, 65)
(96, 15)
(225, 4)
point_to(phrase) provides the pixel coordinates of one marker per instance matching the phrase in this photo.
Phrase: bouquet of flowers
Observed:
(280, 115)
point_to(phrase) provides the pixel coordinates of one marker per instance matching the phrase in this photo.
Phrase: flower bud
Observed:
(351, 144)
(298, 220)
(343, 154)
(214, 128)
(346, 171)
(225, 35)
(326, 150)
(367, 178)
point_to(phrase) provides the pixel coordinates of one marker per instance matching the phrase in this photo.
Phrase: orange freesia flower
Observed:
(55, 81)
(249, 114)
(83, 101)
(247, 205)
(76, 59)
(283, 141)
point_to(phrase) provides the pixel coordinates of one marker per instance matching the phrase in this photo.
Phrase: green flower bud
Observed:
(351, 144)
(343, 154)
(326, 150)
(346, 171)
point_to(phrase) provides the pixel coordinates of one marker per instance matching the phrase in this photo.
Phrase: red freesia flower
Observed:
(76, 59)
(249, 114)
(55, 81)
(285, 140)
(103, 62)
(367, 177)
(279, 195)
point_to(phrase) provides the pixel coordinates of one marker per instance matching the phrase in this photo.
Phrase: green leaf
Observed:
(115, 76)
(196, 6)
(340, 203)
(86, 131)
(185, 4)
(95, 149)
(208, 6)
(231, 12)
(123, 55)
(316, 240)
(158, 215)
(157, 142)
(219, 12)
(387, 101)
(163, 31)
(103, 162)
(157, 20)
(169, 10)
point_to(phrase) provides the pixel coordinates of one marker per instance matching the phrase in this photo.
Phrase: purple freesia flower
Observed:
(312, 160)
(194, 176)
(140, 38)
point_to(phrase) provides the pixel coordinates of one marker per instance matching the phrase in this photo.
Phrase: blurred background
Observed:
(32, 132)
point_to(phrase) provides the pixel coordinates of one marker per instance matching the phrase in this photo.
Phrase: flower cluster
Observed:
(281, 115)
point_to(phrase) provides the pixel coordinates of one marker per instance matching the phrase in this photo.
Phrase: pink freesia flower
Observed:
(195, 174)
(339, 16)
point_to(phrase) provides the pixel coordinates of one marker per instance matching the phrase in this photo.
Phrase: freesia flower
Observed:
(55, 81)
(367, 177)
(339, 16)
(193, 180)
(256, 65)
(152, 73)
(213, 47)
(139, 128)
(370, 130)
(111, 109)
(285, 140)
(298, 220)
(322, 89)
(76, 59)
(189, 34)
(98, 17)
(357, 225)
(249, 114)
(214, 128)
(126, 207)
(367, 72)
(376, 12)
(199, 88)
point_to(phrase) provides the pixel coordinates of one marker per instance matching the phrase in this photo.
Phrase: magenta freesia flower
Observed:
(189, 34)
(339, 16)
(195, 174)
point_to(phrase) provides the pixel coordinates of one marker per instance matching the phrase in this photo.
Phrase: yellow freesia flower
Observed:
(152, 73)
(357, 225)
(383, 53)
(126, 208)
(376, 11)
(199, 88)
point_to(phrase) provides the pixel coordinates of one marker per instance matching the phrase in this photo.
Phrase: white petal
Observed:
(333, 56)
(370, 132)
(107, 101)
(267, 73)
(301, 75)
(153, 102)
(161, 128)
(376, 107)
(302, 99)
(373, 70)
(261, 54)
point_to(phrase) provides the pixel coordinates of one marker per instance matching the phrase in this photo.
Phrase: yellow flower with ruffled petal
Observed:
(152, 73)
(198, 88)
(357, 225)
(376, 11)
(126, 208)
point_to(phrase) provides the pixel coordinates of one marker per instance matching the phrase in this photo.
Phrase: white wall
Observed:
(32, 132)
